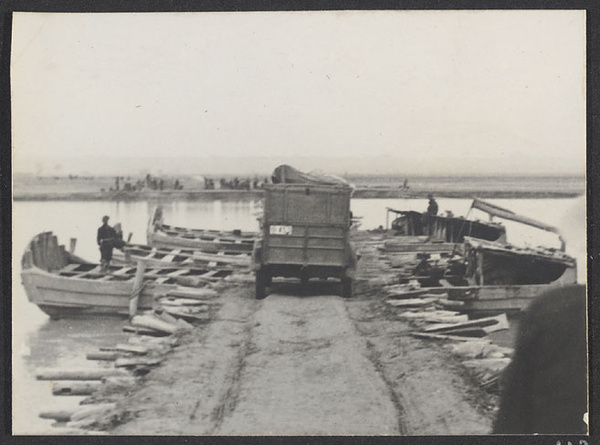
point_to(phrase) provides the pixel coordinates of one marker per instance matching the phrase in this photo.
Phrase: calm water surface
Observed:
(39, 342)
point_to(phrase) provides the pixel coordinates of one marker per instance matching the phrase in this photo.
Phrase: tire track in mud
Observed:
(430, 392)
(375, 358)
(228, 401)
(306, 371)
(193, 390)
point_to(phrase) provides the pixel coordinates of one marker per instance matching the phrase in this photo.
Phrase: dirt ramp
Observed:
(307, 373)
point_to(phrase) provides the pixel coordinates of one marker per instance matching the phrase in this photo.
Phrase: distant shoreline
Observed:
(241, 195)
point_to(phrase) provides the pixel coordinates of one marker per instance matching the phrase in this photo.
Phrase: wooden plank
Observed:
(488, 324)
(412, 302)
(441, 336)
(197, 294)
(78, 374)
(127, 362)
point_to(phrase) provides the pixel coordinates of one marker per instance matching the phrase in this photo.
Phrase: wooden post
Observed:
(72, 245)
(137, 288)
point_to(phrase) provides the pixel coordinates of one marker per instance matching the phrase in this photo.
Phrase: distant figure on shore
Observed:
(545, 388)
(106, 239)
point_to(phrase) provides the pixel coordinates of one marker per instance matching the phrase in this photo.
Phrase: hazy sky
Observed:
(503, 86)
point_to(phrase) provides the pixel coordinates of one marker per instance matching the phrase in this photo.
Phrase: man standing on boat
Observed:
(106, 241)
(432, 210)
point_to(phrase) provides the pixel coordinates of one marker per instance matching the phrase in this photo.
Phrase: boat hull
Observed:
(160, 239)
(444, 228)
(62, 296)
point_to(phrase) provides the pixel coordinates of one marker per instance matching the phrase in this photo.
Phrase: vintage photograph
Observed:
(299, 223)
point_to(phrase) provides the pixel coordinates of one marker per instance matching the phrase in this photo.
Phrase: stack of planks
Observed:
(467, 339)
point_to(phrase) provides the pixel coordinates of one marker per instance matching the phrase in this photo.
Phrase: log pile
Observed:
(155, 333)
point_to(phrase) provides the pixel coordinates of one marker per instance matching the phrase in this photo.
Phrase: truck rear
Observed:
(305, 234)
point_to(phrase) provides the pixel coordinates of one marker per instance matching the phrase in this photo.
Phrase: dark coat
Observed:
(106, 238)
(432, 208)
(545, 386)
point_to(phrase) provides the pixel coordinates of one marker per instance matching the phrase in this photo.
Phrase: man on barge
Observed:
(106, 241)
(432, 210)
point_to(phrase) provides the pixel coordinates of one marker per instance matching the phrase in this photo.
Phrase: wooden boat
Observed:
(495, 263)
(163, 257)
(172, 237)
(448, 229)
(482, 275)
(63, 284)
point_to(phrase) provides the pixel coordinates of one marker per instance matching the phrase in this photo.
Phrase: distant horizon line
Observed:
(369, 175)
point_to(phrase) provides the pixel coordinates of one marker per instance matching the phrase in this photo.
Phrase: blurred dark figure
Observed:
(106, 240)
(545, 386)
(432, 208)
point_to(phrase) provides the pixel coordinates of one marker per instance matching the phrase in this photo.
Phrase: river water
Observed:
(39, 342)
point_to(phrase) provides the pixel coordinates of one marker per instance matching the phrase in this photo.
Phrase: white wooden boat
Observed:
(62, 284)
(162, 235)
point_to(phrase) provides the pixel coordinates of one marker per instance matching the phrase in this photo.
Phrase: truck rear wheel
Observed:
(261, 284)
(347, 286)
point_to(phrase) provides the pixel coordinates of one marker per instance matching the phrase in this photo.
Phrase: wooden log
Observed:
(60, 415)
(150, 322)
(78, 374)
(138, 283)
(75, 388)
(92, 411)
(144, 331)
(127, 362)
(103, 355)
(125, 382)
(134, 349)
(194, 294)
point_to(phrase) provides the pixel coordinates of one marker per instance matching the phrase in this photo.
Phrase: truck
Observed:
(305, 233)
